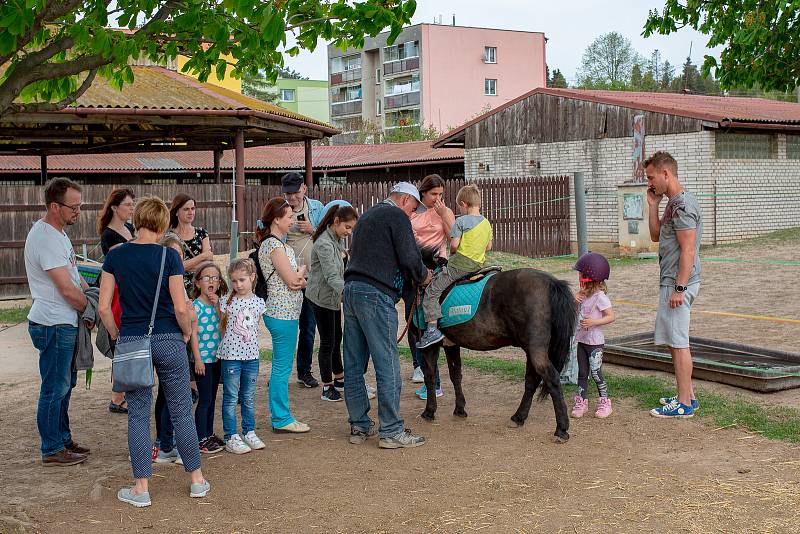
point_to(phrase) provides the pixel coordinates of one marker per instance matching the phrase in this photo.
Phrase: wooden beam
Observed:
(217, 169)
(309, 165)
(300, 131)
(43, 169)
(240, 182)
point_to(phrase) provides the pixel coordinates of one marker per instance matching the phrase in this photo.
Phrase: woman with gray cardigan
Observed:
(324, 290)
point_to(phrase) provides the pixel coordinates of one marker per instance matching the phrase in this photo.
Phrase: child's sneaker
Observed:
(422, 393)
(580, 408)
(178, 459)
(211, 445)
(253, 441)
(666, 400)
(156, 450)
(673, 409)
(331, 394)
(236, 445)
(371, 391)
(167, 457)
(432, 336)
(338, 385)
(603, 408)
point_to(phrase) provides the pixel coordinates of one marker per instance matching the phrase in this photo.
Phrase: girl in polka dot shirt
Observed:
(208, 287)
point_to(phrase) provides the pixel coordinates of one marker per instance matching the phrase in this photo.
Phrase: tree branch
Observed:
(61, 104)
(53, 10)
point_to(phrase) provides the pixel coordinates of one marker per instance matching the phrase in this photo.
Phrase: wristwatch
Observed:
(680, 289)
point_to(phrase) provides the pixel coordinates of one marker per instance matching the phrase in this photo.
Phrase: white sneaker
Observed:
(236, 445)
(418, 377)
(253, 441)
(370, 391)
(179, 460)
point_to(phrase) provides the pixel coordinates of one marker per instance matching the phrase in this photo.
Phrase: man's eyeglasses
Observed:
(75, 209)
(209, 278)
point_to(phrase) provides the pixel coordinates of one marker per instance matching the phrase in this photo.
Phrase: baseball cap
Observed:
(291, 182)
(406, 188)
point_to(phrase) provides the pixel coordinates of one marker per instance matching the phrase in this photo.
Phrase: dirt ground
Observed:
(630, 473)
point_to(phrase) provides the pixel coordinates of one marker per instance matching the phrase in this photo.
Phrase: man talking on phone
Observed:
(306, 216)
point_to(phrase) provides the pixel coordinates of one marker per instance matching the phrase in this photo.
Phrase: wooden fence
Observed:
(530, 216)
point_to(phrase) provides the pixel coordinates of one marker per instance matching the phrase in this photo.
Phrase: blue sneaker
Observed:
(663, 401)
(673, 409)
(432, 336)
(422, 393)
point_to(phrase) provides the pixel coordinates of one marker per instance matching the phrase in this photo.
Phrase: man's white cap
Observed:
(406, 188)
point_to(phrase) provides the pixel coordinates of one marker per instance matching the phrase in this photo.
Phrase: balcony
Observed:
(346, 77)
(394, 67)
(401, 100)
(341, 109)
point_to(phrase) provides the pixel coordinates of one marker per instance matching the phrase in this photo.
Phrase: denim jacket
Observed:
(326, 281)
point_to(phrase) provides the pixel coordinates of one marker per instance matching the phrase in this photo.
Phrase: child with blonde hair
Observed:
(470, 238)
(594, 312)
(241, 314)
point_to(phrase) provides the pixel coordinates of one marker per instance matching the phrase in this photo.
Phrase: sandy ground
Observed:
(630, 473)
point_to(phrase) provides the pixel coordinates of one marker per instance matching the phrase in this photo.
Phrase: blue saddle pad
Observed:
(459, 306)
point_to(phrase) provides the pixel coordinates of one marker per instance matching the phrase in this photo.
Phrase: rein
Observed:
(410, 315)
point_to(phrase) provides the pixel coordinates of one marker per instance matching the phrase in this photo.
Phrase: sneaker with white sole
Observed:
(139, 500)
(673, 410)
(253, 441)
(663, 401)
(418, 377)
(167, 457)
(178, 459)
(404, 439)
(431, 337)
(199, 490)
(371, 391)
(331, 394)
(358, 436)
(422, 393)
(236, 445)
(295, 427)
(338, 384)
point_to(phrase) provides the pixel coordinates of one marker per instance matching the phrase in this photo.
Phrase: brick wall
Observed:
(752, 196)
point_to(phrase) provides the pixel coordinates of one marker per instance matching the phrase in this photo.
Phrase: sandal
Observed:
(118, 408)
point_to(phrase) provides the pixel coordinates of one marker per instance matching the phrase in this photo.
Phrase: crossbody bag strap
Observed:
(158, 292)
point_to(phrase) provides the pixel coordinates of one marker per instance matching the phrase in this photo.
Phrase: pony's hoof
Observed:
(561, 437)
(428, 416)
(460, 412)
(514, 424)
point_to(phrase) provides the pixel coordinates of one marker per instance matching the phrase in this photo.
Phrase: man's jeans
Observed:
(305, 341)
(56, 345)
(370, 328)
(239, 387)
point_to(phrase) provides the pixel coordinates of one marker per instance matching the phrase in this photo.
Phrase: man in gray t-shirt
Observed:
(677, 232)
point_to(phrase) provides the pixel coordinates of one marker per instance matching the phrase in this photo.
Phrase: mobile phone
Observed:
(301, 217)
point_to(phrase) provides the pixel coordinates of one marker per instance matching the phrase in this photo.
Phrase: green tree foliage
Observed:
(558, 80)
(692, 81)
(370, 133)
(607, 63)
(667, 73)
(53, 49)
(262, 88)
(760, 39)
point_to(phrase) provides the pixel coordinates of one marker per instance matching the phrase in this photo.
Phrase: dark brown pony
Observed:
(523, 308)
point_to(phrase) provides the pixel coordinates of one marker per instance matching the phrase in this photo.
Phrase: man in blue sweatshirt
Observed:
(384, 259)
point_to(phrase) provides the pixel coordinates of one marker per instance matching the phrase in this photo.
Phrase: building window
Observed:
(345, 63)
(349, 93)
(378, 107)
(348, 125)
(792, 146)
(744, 146)
(490, 54)
(402, 118)
(287, 95)
(401, 51)
(490, 87)
(402, 85)
(377, 76)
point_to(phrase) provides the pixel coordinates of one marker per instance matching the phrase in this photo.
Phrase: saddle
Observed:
(470, 278)
(461, 298)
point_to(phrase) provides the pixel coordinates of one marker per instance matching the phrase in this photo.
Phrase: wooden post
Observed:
(43, 169)
(240, 183)
(217, 170)
(309, 165)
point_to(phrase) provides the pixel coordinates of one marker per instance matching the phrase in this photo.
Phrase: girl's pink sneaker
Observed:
(580, 408)
(603, 407)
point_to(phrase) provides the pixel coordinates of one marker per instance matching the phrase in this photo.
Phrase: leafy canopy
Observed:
(51, 50)
(760, 38)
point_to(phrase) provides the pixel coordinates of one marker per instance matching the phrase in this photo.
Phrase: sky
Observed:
(570, 27)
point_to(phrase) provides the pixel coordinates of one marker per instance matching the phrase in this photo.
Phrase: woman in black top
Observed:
(114, 229)
(112, 223)
(196, 243)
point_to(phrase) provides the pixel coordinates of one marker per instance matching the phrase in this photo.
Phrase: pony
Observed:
(524, 308)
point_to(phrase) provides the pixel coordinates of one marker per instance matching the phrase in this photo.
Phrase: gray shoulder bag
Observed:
(132, 366)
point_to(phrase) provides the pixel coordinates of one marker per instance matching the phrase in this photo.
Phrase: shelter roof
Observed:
(723, 111)
(330, 158)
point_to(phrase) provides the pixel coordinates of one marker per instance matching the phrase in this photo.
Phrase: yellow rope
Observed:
(718, 313)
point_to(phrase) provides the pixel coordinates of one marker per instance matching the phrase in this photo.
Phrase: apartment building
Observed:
(433, 75)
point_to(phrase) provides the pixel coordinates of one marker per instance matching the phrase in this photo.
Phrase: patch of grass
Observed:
(780, 423)
(14, 315)
(265, 355)
(555, 265)
(778, 237)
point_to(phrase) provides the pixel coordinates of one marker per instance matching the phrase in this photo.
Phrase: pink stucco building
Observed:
(433, 75)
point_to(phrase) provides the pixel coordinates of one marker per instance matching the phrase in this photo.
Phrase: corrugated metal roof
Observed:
(265, 157)
(719, 109)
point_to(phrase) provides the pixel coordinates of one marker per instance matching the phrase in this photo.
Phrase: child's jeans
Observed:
(207, 386)
(430, 303)
(239, 387)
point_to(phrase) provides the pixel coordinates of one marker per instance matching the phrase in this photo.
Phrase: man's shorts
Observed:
(672, 324)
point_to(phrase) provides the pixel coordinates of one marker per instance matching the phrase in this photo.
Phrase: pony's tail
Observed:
(562, 323)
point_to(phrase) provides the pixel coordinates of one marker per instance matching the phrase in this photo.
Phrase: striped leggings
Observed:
(172, 366)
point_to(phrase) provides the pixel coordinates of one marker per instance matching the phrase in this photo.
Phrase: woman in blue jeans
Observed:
(284, 303)
(135, 266)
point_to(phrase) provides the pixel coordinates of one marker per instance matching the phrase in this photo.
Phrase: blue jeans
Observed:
(284, 338)
(370, 328)
(239, 387)
(305, 343)
(56, 346)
